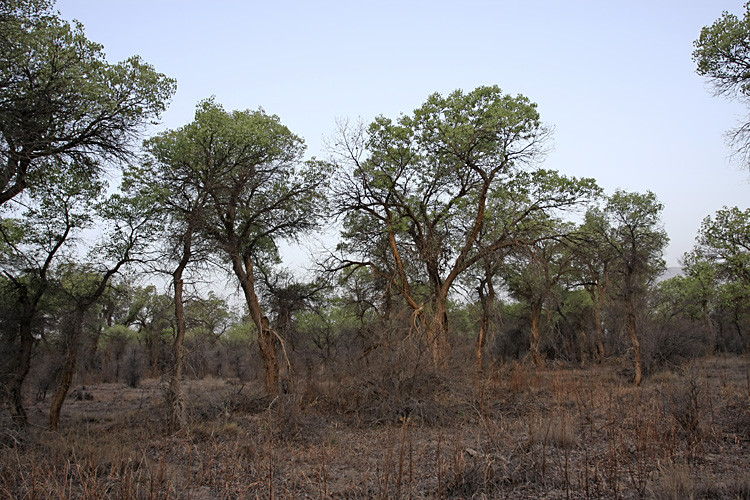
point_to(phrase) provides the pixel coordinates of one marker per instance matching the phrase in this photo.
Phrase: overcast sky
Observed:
(615, 79)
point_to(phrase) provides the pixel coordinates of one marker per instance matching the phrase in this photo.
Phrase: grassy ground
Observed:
(519, 432)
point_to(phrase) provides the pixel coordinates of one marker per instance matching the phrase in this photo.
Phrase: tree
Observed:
(81, 285)
(487, 269)
(31, 246)
(209, 316)
(572, 318)
(725, 241)
(111, 308)
(61, 101)
(424, 180)
(286, 296)
(128, 228)
(593, 262)
(635, 235)
(151, 315)
(679, 309)
(257, 191)
(722, 54)
(720, 260)
(533, 272)
(170, 179)
(702, 282)
(369, 288)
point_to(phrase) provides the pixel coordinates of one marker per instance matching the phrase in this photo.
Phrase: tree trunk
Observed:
(568, 337)
(631, 325)
(438, 329)
(18, 373)
(598, 331)
(582, 346)
(481, 340)
(175, 394)
(488, 313)
(597, 299)
(267, 344)
(93, 349)
(152, 349)
(243, 269)
(710, 327)
(387, 304)
(73, 338)
(536, 315)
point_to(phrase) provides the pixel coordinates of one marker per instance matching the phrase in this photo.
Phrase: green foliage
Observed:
(719, 265)
(463, 319)
(130, 224)
(724, 240)
(638, 239)
(722, 53)
(248, 165)
(60, 99)
(532, 271)
(54, 214)
(208, 316)
(37, 241)
(241, 332)
(333, 318)
(425, 197)
(424, 171)
(680, 295)
(576, 302)
(78, 280)
(150, 310)
(117, 333)
(593, 256)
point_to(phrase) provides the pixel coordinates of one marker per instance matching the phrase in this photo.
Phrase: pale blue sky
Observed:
(614, 79)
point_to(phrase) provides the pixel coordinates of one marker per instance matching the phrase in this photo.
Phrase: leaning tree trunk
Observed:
(72, 340)
(243, 269)
(17, 374)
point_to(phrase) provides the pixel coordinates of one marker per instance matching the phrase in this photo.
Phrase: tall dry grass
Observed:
(387, 430)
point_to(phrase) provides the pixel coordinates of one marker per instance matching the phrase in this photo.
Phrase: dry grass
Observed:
(520, 432)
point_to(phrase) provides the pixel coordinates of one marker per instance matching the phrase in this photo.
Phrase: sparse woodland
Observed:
(480, 327)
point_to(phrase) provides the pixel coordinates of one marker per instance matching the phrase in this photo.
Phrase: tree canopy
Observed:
(722, 54)
(424, 186)
(60, 100)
